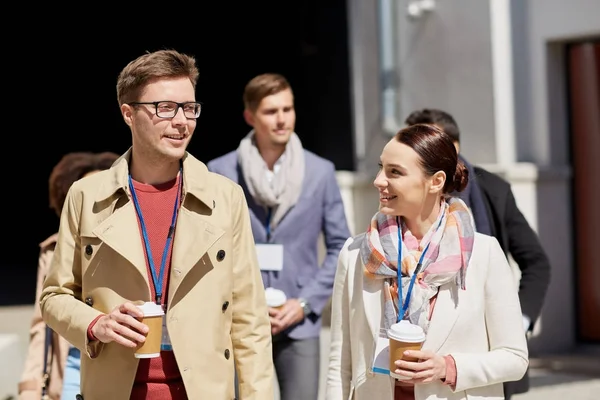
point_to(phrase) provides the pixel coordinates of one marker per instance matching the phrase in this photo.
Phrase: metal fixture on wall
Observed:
(416, 8)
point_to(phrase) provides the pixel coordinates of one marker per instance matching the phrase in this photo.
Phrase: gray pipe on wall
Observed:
(388, 68)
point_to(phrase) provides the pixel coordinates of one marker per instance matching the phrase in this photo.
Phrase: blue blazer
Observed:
(319, 209)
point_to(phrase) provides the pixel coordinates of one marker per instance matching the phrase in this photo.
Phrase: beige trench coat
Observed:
(216, 305)
(30, 385)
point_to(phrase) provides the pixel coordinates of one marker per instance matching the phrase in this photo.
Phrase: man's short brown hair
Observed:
(159, 64)
(262, 86)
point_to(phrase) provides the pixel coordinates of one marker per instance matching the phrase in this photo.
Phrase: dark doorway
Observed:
(73, 68)
(584, 94)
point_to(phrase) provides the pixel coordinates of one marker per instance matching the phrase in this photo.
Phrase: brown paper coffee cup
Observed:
(153, 316)
(404, 336)
(397, 350)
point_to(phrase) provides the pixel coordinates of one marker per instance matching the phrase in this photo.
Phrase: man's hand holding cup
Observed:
(122, 325)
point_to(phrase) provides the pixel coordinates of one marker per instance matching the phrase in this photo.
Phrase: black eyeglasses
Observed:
(168, 109)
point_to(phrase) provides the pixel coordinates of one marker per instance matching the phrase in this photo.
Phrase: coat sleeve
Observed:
(507, 358)
(60, 301)
(251, 327)
(335, 231)
(339, 373)
(525, 248)
(30, 385)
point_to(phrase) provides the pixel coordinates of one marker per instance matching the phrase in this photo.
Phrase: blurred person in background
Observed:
(496, 213)
(294, 197)
(62, 359)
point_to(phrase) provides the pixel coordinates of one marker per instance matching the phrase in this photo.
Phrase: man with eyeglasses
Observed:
(159, 227)
(168, 109)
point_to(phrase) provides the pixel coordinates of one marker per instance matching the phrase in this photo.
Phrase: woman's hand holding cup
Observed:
(430, 367)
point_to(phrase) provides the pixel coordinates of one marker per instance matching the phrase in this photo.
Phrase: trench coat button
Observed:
(220, 255)
(225, 305)
(89, 250)
(227, 354)
(89, 301)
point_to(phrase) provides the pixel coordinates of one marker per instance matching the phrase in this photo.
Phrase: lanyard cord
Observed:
(268, 224)
(404, 304)
(157, 279)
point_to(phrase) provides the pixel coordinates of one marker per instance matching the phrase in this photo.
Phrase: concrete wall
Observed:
(540, 29)
(14, 341)
(444, 61)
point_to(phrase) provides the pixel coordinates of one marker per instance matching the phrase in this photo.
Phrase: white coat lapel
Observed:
(444, 316)
(372, 300)
(371, 289)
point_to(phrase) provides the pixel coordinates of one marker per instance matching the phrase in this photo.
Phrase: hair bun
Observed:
(461, 177)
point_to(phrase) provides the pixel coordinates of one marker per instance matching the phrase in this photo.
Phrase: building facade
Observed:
(522, 79)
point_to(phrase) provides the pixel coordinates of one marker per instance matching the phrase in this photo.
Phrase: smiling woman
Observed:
(411, 266)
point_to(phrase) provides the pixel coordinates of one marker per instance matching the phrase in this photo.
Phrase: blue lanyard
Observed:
(404, 305)
(268, 224)
(157, 280)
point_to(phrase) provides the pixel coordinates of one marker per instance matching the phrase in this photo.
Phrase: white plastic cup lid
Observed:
(275, 297)
(151, 309)
(404, 331)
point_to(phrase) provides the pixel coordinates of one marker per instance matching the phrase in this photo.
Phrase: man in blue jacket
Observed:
(293, 197)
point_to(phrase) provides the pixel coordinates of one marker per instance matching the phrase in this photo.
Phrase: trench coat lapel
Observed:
(193, 237)
(120, 231)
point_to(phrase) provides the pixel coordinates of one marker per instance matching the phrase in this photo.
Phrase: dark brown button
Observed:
(227, 354)
(220, 255)
(89, 250)
(225, 305)
(89, 301)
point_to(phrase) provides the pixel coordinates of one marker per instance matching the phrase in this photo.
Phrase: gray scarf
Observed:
(283, 192)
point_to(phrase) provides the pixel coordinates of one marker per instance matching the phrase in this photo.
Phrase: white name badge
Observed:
(381, 360)
(270, 256)
(165, 341)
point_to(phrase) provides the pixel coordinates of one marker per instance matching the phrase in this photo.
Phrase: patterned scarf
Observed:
(283, 193)
(449, 243)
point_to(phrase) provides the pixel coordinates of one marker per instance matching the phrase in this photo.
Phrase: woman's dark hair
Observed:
(72, 167)
(437, 153)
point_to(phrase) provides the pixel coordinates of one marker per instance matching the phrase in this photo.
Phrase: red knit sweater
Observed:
(158, 378)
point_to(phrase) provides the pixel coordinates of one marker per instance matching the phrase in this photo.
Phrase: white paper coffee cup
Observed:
(275, 298)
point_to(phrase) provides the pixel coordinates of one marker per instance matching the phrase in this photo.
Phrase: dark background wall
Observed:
(66, 96)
